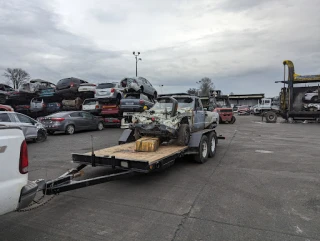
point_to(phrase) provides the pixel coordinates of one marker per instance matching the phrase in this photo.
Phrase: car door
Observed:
(146, 86)
(89, 121)
(199, 115)
(77, 120)
(27, 125)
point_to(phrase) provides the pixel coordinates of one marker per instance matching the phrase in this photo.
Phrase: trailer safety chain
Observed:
(36, 204)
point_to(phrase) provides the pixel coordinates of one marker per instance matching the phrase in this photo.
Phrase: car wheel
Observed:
(184, 135)
(70, 129)
(314, 99)
(203, 154)
(41, 136)
(233, 120)
(137, 134)
(2, 99)
(212, 144)
(50, 132)
(100, 126)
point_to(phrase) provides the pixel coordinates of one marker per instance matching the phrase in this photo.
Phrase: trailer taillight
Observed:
(24, 162)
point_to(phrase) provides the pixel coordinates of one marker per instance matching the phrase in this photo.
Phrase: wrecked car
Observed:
(43, 88)
(139, 84)
(174, 117)
(4, 92)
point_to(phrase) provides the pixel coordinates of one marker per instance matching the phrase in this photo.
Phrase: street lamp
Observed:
(137, 59)
(161, 88)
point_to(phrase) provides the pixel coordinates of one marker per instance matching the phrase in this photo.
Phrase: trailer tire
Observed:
(233, 120)
(271, 117)
(212, 144)
(183, 135)
(203, 154)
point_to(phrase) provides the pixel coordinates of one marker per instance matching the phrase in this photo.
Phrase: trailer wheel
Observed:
(212, 144)
(233, 120)
(203, 154)
(184, 135)
(271, 117)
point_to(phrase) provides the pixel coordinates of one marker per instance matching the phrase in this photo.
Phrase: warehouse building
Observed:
(245, 99)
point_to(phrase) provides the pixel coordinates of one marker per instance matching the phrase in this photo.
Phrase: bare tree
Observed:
(206, 86)
(192, 91)
(16, 76)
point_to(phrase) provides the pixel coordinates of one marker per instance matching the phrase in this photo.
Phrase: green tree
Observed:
(16, 76)
(192, 91)
(206, 86)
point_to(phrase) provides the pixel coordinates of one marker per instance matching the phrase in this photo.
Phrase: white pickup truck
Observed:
(16, 191)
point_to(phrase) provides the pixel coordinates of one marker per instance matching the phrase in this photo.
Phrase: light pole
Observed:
(137, 59)
(161, 88)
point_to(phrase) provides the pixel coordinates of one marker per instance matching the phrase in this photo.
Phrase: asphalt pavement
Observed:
(262, 184)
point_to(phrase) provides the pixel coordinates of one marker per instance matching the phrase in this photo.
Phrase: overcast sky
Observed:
(239, 44)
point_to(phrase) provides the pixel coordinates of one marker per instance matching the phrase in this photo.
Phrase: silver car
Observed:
(108, 90)
(139, 84)
(32, 129)
(71, 121)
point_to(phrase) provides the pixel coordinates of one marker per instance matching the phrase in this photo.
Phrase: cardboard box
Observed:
(147, 144)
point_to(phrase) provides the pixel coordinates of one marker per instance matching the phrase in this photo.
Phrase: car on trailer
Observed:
(174, 116)
(92, 106)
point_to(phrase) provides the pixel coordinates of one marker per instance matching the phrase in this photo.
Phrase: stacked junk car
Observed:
(113, 103)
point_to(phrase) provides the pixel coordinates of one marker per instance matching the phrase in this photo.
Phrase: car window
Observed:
(198, 106)
(75, 114)
(267, 101)
(132, 96)
(106, 86)
(90, 102)
(144, 97)
(86, 115)
(4, 117)
(24, 119)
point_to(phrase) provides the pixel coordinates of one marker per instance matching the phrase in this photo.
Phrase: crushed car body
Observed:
(174, 117)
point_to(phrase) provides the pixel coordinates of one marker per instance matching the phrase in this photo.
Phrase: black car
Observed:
(69, 85)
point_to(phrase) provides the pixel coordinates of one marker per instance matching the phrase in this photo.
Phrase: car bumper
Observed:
(159, 130)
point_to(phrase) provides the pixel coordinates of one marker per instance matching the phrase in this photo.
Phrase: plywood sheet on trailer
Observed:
(127, 152)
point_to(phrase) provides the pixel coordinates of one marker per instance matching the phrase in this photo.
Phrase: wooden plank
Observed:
(127, 152)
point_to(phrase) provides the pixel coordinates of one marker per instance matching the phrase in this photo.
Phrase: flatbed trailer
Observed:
(126, 161)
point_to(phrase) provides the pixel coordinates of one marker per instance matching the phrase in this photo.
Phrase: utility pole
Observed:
(137, 59)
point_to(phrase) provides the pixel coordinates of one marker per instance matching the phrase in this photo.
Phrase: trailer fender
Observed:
(196, 137)
(126, 136)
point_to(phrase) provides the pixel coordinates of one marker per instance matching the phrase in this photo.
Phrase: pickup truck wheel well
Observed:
(184, 121)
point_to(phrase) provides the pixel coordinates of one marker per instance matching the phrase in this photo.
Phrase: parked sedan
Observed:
(139, 84)
(32, 129)
(108, 90)
(71, 121)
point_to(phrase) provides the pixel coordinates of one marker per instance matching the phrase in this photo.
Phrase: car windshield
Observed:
(90, 102)
(163, 105)
(185, 102)
(106, 86)
(67, 81)
(132, 96)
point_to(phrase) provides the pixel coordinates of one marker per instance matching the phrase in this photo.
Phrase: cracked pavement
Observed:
(263, 184)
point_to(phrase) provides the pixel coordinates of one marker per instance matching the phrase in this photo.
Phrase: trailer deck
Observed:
(127, 152)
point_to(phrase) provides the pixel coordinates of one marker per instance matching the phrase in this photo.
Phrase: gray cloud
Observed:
(239, 44)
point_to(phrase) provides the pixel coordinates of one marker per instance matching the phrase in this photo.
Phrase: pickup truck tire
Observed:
(203, 154)
(183, 135)
(271, 117)
(233, 120)
(70, 129)
(212, 144)
(137, 134)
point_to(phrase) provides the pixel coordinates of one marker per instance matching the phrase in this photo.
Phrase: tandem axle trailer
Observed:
(126, 161)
